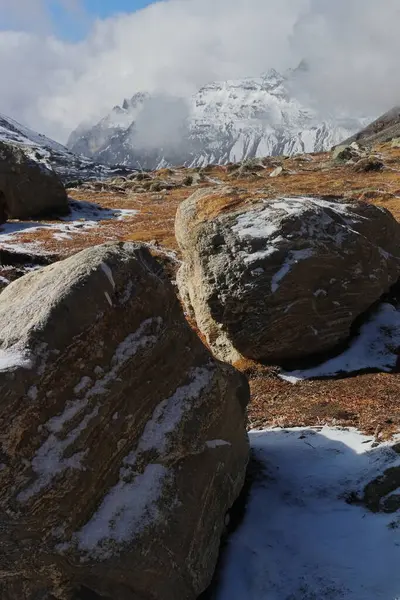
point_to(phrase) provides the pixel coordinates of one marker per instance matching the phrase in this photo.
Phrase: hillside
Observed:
(67, 164)
(225, 121)
(382, 130)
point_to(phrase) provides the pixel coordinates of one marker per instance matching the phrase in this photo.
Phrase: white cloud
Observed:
(177, 45)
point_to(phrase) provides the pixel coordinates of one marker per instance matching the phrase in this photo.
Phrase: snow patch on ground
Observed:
(375, 347)
(299, 539)
(83, 216)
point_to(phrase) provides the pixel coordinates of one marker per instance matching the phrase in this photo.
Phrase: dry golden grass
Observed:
(370, 402)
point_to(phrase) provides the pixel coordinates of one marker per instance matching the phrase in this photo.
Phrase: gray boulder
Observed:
(282, 279)
(28, 185)
(123, 440)
(349, 152)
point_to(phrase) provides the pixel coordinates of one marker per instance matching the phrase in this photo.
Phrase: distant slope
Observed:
(382, 130)
(227, 121)
(67, 164)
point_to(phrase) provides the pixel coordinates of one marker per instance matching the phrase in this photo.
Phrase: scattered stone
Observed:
(380, 487)
(346, 153)
(276, 172)
(123, 440)
(391, 504)
(252, 164)
(188, 180)
(282, 279)
(156, 186)
(369, 163)
(303, 158)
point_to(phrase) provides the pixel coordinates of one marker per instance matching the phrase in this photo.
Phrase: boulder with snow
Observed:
(28, 185)
(348, 152)
(282, 279)
(123, 440)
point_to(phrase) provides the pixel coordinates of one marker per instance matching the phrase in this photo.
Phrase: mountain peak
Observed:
(225, 121)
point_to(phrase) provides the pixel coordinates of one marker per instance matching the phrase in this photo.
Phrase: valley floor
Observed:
(133, 211)
(301, 538)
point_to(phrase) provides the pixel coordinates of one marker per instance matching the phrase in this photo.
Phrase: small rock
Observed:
(346, 153)
(278, 171)
(380, 487)
(369, 163)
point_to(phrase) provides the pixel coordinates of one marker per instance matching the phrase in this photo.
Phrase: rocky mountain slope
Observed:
(384, 129)
(223, 122)
(67, 164)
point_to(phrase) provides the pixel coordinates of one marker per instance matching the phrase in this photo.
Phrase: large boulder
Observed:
(28, 185)
(282, 279)
(123, 440)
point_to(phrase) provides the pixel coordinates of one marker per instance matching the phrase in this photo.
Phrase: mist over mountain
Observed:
(225, 121)
(176, 47)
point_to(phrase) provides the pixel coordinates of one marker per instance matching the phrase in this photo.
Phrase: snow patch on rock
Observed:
(127, 509)
(49, 460)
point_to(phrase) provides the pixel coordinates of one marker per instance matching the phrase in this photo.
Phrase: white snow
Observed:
(11, 358)
(320, 292)
(107, 295)
(375, 347)
(299, 539)
(84, 383)
(217, 443)
(32, 393)
(169, 413)
(132, 503)
(255, 224)
(262, 225)
(292, 259)
(127, 509)
(83, 217)
(108, 273)
(49, 459)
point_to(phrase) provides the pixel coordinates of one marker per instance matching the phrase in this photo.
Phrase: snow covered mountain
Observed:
(224, 121)
(68, 165)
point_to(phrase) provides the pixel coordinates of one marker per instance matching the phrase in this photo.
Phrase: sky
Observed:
(64, 62)
(69, 27)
